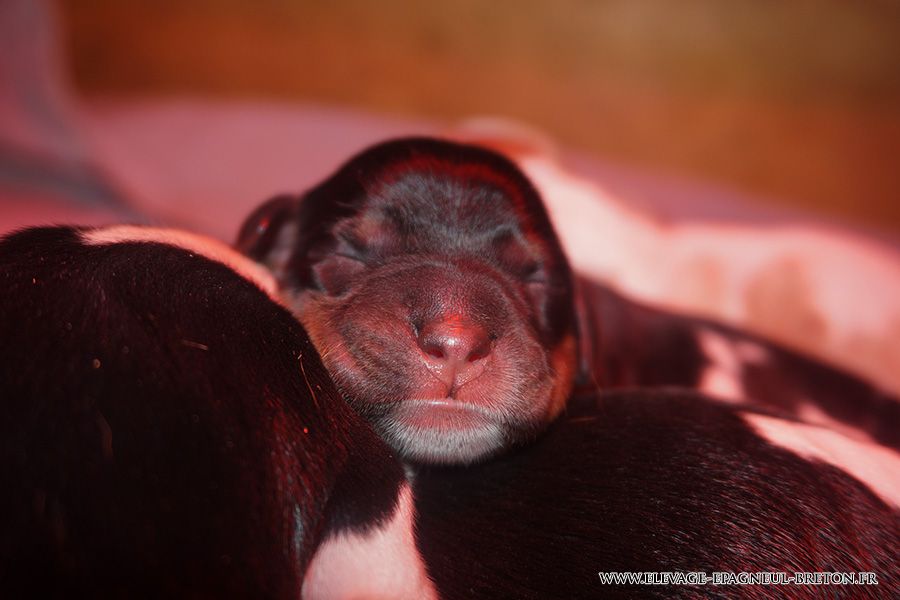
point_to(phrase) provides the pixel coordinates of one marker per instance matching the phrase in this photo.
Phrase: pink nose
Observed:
(454, 348)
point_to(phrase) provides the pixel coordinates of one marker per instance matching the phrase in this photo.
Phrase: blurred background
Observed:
(795, 101)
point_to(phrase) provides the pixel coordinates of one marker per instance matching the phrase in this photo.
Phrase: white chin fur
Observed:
(443, 447)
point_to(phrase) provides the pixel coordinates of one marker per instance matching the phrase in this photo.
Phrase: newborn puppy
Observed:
(431, 281)
(168, 431)
(663, 481)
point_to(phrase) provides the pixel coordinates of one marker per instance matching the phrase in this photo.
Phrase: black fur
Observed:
(649, 481)
(167, 430)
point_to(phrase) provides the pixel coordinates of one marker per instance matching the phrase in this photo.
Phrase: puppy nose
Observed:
(453, 347)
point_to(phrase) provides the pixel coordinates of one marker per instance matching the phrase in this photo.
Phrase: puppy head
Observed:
(433, 285)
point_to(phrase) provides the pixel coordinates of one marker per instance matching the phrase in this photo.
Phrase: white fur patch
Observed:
(204, 246)
(722, 385)
(722, 378)
(751, 353)
(874, 465)
(382, 563)
(808, 412)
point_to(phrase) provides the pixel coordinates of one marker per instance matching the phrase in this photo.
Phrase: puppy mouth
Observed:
(443, 414)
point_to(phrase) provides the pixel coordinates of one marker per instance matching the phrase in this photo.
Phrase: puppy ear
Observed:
(269, 234)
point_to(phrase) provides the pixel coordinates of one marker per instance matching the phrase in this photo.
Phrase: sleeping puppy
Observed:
(431, 281)
(168, 431)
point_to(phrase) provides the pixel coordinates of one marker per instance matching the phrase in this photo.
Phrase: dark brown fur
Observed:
(414, 249)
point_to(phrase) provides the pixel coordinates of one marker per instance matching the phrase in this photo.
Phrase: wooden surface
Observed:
(798, 101)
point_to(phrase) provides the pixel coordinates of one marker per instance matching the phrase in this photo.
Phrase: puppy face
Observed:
(430, 280)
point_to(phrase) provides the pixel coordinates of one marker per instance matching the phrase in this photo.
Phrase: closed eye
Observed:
(335, 272)
(352, 257)
(518, 258)
(535, 274)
